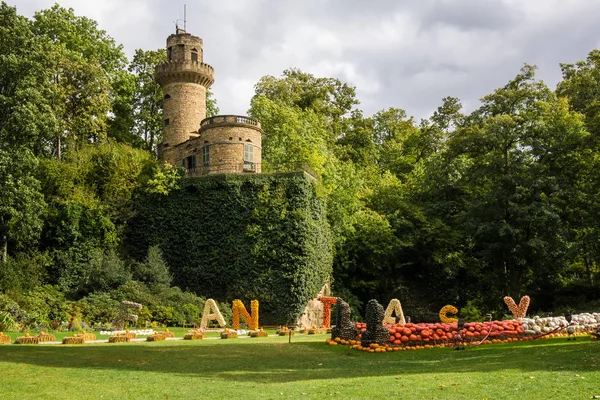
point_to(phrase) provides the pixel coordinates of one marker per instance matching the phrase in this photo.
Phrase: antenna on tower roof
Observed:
(177, 30)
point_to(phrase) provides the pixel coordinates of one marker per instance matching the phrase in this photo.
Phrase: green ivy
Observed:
(224, 237)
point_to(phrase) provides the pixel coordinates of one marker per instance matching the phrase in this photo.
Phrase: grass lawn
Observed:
(270, 368)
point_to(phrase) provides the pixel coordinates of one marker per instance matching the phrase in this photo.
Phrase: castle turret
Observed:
(222, 144)
(184, 79)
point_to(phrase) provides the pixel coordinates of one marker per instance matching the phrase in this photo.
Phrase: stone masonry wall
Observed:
(184, 110)
(227, 148)
(189, 42)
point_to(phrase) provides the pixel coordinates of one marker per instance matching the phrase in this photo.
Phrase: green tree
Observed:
(21, 204)
(87, 66)
(26, 117)
(520, 152)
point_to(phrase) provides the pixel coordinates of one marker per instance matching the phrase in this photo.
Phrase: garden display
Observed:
(166, 333)
(88, 336)
(156, 337)
(314, 330)
(344, 329)
(75, 339)
(211, 313)
(518, 311)
(119, 339)
(4, 339)
(448, 310)
(195, 334)
(227, 334)
(377, 337)
(239, 310)
(258, 333)
(27, 339)
(375, 332)
(327, 301)
(284, 331)
(394, 308)
(124, 314)
(46, 337)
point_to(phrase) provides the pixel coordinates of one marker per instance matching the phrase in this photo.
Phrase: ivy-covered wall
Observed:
(262, 237)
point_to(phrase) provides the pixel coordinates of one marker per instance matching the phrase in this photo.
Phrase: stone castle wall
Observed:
(184, 108)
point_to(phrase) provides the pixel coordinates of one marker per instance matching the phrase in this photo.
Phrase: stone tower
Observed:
(184, 79)
(222, 144)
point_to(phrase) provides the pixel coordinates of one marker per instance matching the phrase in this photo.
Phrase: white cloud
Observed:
(398, 53)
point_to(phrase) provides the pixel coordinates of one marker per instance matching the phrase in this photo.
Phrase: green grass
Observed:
(270, 368)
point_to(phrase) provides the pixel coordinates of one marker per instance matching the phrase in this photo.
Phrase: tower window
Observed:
(206, 156)
(169, 53)
(194, 55)
(167, 122)
(249, 164)
(248, 153)
(167, 97)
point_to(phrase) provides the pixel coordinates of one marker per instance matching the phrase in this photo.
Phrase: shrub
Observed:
(98, 308)
(470, 313)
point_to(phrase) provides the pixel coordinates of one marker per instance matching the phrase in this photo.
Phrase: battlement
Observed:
(230, 121)
(185, 71)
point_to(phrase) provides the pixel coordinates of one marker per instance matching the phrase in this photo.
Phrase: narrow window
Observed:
(249, 158)
(206, 156)
(191, 162)
(169, 53)
(194, 55)
(167, 122)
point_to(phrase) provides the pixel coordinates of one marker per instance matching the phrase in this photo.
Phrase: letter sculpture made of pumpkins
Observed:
(376, 332)
(344, 329)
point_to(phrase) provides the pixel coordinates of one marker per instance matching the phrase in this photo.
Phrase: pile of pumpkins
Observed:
(580, 323)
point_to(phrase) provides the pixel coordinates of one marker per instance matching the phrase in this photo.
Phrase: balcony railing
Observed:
(224, 168)
(230, 119)
(249, 166)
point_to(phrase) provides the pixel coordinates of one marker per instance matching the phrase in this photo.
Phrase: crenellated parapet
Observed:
(185, 71)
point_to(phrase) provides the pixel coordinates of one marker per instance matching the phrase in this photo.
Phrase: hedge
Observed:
(262, 237)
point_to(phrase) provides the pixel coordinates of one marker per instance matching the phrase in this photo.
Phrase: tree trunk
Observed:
(588, 270)
(58, 147)
(4, 249)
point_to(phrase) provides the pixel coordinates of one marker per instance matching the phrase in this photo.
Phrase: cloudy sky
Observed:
(398, 53)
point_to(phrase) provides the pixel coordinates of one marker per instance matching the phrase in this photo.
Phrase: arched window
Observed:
(167, 97)
(194, 55)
